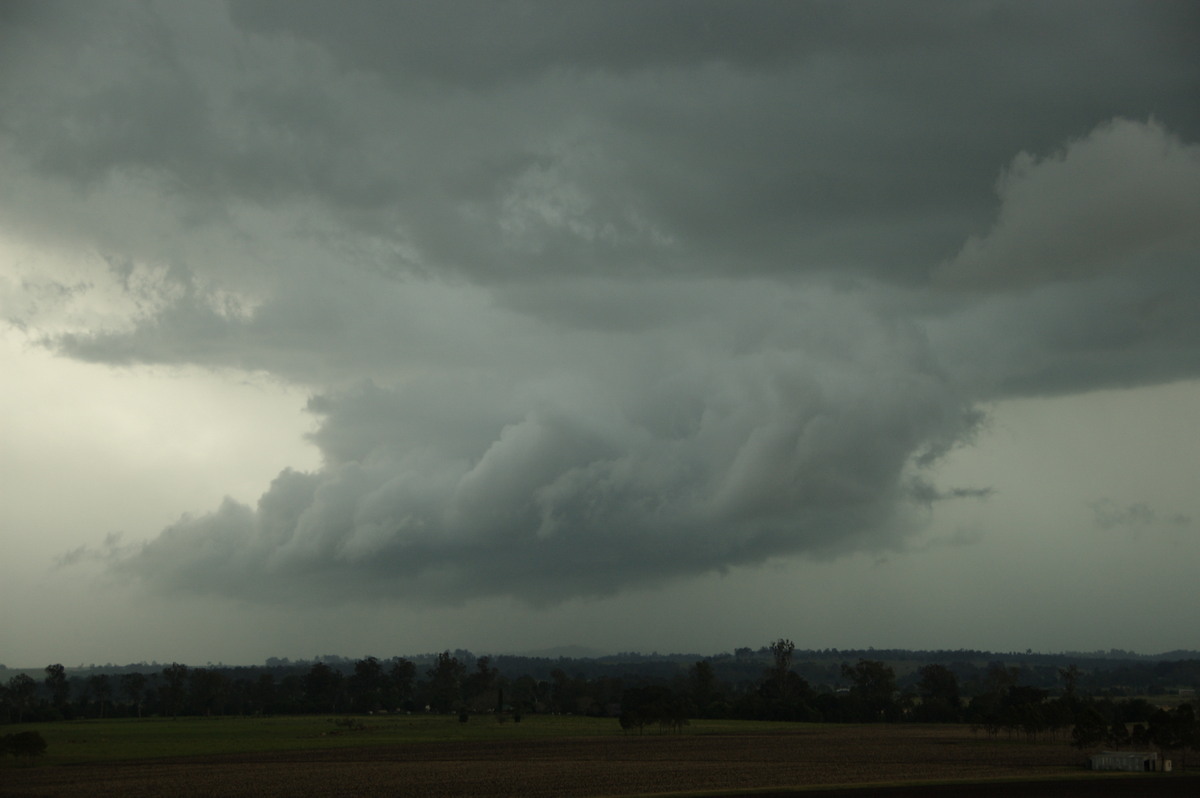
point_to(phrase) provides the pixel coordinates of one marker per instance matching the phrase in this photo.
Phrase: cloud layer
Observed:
(592, 297)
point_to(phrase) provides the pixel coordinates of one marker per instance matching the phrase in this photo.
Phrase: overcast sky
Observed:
(383, 328)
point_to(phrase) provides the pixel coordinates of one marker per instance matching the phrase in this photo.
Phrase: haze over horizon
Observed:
(572, 652)
(371, 328)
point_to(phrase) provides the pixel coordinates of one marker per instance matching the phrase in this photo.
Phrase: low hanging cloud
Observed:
(1087, 279)
(744, 419)
(637, 458)
(1121, 201)
(582, 307)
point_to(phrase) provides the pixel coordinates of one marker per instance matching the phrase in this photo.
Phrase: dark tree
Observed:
(781, 655)
(526, 694)
(1000, 678)
(782, 694)
(654, 704)
(100, 686)
(1175, 730)
(209, 689)
(59, 687)
(445, 683)
(875, 687)
(994, 707)
(1090, 728)
(938, 688)
(402, 677)
(263, 694)
(22, 694)
(290, 694)
(323, 686)
(367, 685)
(1024, 708)
(702, 686)
(132, 685)
(1118, 734)
(174, 688)
(560, 690)
(1070, 679)
(480, 687)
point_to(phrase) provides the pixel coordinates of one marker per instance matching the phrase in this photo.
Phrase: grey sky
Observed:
(571, 306)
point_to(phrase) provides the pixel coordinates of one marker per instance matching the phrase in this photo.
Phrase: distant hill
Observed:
(818, 662)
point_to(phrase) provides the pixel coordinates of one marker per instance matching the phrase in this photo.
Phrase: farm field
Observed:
(545, 756)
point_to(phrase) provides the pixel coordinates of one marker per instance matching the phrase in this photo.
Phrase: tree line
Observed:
(767, 685)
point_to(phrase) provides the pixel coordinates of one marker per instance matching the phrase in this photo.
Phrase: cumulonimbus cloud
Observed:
(575, 319)
(666, 461)
(712, 440)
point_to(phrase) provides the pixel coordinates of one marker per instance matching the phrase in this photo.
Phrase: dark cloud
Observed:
(479, 44)
(693, 137)
(590, 294)
(627, 459)
(925, 493)
(1133, 517)
(1086, 279)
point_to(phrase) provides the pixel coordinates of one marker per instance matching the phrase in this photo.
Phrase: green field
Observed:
(99, 741)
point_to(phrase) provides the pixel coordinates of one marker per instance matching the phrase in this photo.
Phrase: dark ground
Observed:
(763, 765)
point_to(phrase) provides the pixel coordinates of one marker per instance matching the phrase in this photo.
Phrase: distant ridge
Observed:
(762, 654)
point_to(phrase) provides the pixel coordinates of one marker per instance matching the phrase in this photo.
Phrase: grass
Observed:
(98, 741)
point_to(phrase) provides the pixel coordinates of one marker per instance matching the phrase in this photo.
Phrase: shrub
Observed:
(23, 745)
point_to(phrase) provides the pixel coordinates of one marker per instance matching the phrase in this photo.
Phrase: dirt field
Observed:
(773, 764)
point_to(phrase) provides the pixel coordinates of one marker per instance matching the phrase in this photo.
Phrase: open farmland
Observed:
(761, 760)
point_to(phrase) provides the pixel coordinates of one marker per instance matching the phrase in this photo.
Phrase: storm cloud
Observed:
(597, 295)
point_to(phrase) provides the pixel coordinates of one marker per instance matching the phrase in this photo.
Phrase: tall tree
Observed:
(781, 656)
(22, 694)
(1176, 730)
(783, 694)
(132, 685)
(1070, 696)
(366, 685)
(940, 700)
(100, 686)
(59, 687)
(402, 677)
(875, 687)
(702, 686)
(174, 688)
(445, 683)
(209, 689)
(1090, 728)
(560, 690)
(263, 694)
(323, 686)
(480, 686)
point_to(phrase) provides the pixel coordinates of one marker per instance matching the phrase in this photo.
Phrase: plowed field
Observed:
(726, 764)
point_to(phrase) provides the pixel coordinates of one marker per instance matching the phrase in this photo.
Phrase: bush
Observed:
(23, 745)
